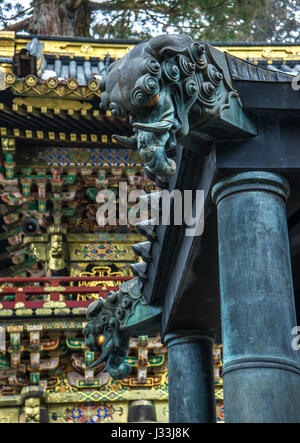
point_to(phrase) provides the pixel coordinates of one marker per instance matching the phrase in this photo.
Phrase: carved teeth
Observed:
(139, 269)
(159, 127)
(143, 250)
(126, 141)
(131, 119)
(147, 229)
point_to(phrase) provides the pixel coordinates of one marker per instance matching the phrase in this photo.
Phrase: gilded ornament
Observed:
(43, 312)
(6, 312)
(10, 78)
(8, 144)
(54, 289)
(62, 311)
(93, 85)
(52, 82)
(86, 48)
(57, 253)
(79, 311)
(72, 84)
(55, 304)
(50, 248)
(24, 312)
(32, 410)
(31, 80)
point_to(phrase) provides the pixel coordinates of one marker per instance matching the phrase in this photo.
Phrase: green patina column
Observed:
(191, 377)
(261, 371)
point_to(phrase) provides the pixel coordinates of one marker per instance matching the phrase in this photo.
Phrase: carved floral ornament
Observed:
(157, 84)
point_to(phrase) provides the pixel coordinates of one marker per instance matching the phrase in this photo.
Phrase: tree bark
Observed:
(69, 18)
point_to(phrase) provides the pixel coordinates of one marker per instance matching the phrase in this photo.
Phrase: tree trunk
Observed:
(61, 18)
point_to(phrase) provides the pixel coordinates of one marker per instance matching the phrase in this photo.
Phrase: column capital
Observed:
(251, 181)
(188, 336)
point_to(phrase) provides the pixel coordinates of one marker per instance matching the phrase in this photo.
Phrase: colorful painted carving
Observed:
(147, 357)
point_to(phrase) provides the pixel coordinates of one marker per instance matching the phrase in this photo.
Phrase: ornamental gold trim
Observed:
(42, 135)
(53, 87)
(56, 104)
(23, 312)
(79, 311)
(136, 394)
(78, 48)
(54, 289)
(6, 312)
(256, 53)
(31, 80)
(10, 78)
(62, 311)
(43, 311)
(55, 304)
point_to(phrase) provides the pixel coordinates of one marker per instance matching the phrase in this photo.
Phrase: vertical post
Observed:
(191, 377)
(261, 370)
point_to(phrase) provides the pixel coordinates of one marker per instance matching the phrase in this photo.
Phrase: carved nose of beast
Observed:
(157, 161)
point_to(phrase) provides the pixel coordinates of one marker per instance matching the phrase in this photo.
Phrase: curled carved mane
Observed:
(156, 84)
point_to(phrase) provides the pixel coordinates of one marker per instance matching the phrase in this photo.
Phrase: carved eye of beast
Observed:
(159, 82)
(100, 340)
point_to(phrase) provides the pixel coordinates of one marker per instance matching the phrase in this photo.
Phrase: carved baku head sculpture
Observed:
(156, 84)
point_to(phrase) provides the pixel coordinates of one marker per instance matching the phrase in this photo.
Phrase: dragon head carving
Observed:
(156, 84)
(104, 321)
(111, 322)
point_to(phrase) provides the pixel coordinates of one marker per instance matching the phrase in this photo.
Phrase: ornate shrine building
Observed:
(57, 154)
